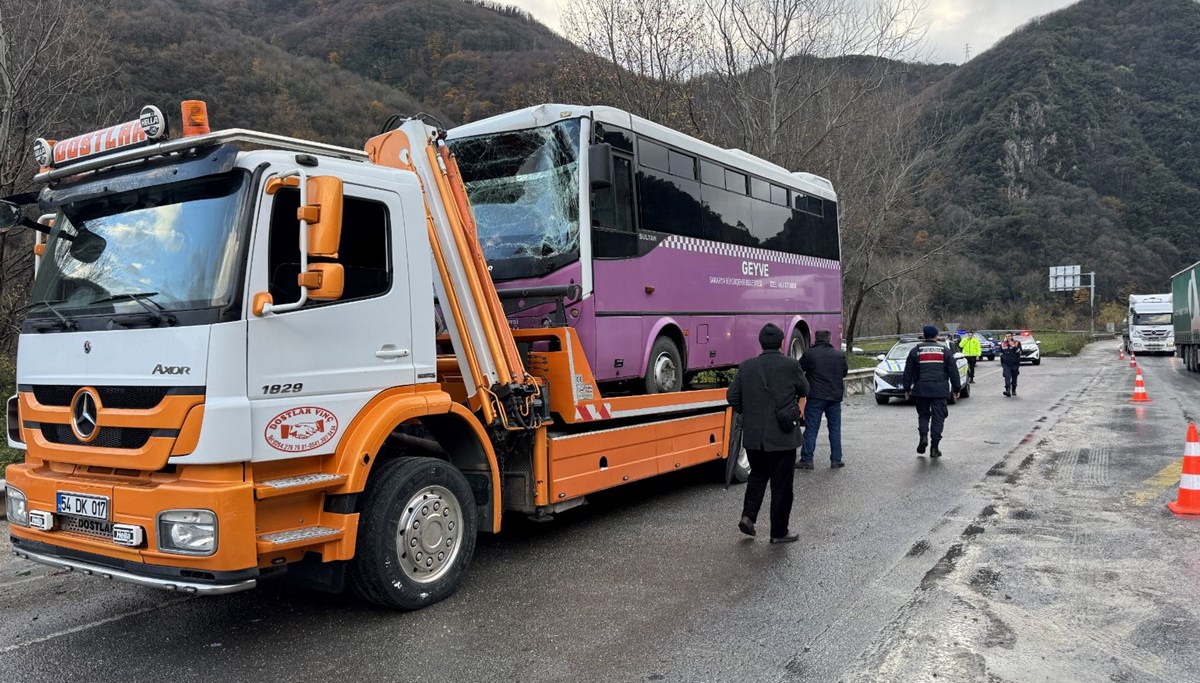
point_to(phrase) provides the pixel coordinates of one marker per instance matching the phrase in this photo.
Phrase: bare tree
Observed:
(793, 72)
(49, 81)
(639, 55)
(897, 223)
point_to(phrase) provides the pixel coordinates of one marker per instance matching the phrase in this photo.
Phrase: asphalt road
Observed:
(1038, 548)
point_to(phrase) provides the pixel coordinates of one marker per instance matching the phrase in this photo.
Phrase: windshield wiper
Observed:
(65, 322)
(140, 298)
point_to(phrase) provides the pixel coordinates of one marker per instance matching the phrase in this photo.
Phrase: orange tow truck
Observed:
(250, 355)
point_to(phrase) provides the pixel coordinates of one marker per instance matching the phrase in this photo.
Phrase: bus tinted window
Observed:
(669, 204)
(619, 138)
(760, 189)
(778, 195)
(651, 155)
(771, 224)
(735, 182)
(811, 205)
(612, 207)
(712, 174)
(681, 165)
(727, 217)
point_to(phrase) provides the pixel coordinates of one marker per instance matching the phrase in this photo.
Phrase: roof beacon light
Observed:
(195, 118)
(151, 125)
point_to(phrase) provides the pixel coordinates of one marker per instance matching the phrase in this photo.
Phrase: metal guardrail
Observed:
(860, 381)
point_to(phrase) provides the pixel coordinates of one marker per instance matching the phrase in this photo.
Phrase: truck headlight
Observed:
(187, 532)
(16, 507)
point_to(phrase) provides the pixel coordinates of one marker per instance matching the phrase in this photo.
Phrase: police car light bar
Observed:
(151, 125)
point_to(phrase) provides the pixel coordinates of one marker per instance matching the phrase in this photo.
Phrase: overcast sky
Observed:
(952, 23)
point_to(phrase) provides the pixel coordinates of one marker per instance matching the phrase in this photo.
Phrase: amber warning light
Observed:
(150, 126)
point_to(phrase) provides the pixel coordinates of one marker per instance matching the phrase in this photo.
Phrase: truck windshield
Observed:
(524, 187)
(1152, 319)
(175, 246)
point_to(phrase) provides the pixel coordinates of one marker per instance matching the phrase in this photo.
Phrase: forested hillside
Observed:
(1073, 140)
(1078, 141)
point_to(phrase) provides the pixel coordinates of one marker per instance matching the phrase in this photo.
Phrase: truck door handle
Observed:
(390, 351)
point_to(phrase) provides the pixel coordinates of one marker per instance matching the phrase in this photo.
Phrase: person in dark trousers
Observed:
(972, 349)
(824, 368)
(769, 392)
(1010, 361)
(929, 372)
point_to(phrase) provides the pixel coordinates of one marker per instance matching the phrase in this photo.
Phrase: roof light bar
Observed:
(150, 126)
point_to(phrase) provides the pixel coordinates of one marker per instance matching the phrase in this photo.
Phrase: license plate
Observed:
(80, 505)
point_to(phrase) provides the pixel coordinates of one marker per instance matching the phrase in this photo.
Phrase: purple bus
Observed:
(680, 250)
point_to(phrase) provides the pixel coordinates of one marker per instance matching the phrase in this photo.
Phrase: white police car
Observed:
(889, 374)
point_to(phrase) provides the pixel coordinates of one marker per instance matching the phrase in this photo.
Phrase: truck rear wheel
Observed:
(416, 534)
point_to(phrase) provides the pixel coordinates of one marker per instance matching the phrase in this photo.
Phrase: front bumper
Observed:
(137, 501)
(886, 388)
(1152, 346)
(181, 580)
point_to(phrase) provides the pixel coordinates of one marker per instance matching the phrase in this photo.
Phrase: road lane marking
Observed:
(84, 627)
(1155, 485)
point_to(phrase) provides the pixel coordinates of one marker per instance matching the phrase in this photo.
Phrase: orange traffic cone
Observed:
(1132, 359)
(1121, 353)
(1139, 389)
(1189, 483)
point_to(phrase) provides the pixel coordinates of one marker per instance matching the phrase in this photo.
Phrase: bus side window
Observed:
(612, 214)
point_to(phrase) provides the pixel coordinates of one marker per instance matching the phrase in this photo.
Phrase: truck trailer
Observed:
(250, 355)
(1148, 324)
(1185, 317)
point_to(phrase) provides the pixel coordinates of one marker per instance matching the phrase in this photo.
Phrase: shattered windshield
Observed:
(524, 188)
(173, 247)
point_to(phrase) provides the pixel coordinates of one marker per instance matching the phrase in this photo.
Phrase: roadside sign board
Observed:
(1065, 278)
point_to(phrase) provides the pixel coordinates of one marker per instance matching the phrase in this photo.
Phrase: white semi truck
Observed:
(1148, 324)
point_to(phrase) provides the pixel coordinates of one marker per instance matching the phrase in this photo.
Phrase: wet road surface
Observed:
(1038, 548)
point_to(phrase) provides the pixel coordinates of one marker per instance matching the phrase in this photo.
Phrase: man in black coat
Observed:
(929, 371)
(825, 368)
(769, 392)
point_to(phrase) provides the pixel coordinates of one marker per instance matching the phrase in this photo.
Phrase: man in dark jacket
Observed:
(1010, 361)
(928, 372)
(769, 392)
(824, 367)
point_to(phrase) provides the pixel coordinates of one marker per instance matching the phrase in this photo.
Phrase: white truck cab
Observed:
(1148, 325)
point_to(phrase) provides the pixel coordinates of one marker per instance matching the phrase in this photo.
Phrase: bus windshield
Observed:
(173, 246)
(524, 188)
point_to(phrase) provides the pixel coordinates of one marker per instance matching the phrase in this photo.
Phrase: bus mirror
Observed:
(10, 215)
(600, 166)
(324, 215)
(324, 281)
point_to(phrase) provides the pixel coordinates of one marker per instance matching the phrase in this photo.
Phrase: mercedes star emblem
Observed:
(84, 409)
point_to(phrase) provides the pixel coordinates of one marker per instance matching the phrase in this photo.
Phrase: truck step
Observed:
(298, 484)
(294, 538)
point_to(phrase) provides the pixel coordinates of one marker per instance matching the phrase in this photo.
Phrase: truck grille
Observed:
(1154, 334)
(135, 398)
(109, 437)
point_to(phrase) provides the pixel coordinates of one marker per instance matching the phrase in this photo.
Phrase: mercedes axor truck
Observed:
(1148, 324)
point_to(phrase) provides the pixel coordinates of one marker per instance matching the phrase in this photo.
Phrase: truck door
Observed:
(310, 371)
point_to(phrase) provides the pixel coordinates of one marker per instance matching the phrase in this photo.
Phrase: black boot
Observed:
(922, 444)
(934, 452)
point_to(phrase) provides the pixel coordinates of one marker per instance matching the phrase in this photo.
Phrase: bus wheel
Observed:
(416, 533)
(799, 344)
(665, 371)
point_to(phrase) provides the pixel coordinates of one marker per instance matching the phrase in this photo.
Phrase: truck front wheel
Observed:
(416, 534)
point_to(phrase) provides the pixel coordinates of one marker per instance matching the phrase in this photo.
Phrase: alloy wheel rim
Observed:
(665, 373)
(430, 534)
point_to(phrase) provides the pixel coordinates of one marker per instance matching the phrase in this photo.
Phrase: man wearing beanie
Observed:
(929, 373)
(769, 392)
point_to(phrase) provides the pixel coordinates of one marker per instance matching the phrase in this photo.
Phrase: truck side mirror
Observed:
(323, 212)
(10, 215)
(324, 281)
(600, 166)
